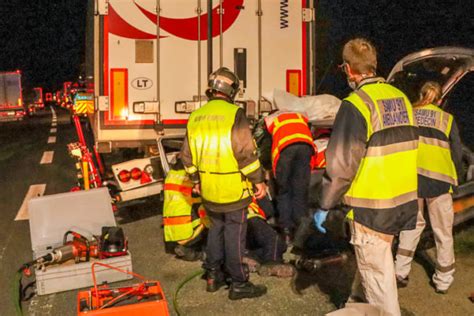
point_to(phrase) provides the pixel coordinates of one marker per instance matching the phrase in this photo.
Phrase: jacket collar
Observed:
(369, 81)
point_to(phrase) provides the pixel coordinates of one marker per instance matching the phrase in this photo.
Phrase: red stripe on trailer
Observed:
(120, 27)
(106, 56)
(304, 90)
(132, 123)
(174, 122)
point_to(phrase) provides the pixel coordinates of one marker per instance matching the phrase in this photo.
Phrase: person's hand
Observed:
(260, 190)
(319, 219)
(197, 188)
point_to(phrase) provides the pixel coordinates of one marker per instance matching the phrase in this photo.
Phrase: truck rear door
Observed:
(143, 84)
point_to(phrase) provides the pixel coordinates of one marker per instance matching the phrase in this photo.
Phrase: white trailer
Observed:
(11, 98)
(152, 59)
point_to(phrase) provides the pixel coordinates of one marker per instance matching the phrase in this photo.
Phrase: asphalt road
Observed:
(22, 145)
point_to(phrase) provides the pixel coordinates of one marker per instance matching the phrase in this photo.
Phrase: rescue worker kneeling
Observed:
(185, 228)
(184, 217)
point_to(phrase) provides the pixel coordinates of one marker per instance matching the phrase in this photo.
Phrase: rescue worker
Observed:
(219, 155)
(292, 149)
(371, 164)
(184, 217)
(185, 226)
(439, 168)
(265, 245)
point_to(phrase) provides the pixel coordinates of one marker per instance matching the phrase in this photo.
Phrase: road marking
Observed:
(35, 190)
(53, 124)
(53, 130)
(51, 139)
(47, 157)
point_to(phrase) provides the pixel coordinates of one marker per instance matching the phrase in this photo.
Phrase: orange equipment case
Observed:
(142, 299)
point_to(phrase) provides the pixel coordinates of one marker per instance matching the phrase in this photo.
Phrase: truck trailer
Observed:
(150, 60)
(11, 97)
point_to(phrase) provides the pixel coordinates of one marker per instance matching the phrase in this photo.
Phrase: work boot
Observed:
(240, 290)
(215, 280)
(188, 254)
(280, 270)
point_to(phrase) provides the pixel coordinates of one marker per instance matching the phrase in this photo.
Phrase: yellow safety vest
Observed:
(180, 224)
(209, 136)
(387, 176)
(434, 151)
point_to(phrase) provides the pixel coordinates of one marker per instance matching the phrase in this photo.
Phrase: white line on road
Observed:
(47, 157)
(51, 139)
(53, 124)
(53, 130)
(34, 191)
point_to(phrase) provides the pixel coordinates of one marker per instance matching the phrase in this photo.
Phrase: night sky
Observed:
(45, 38)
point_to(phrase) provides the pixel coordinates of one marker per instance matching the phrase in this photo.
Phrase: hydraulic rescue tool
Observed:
(111, 243)
(314, 264)
(144, 298)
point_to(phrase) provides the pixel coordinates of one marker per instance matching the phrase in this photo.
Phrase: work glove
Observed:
(319, 219)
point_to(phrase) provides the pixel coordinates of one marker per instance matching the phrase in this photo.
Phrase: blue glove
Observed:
(319, 219)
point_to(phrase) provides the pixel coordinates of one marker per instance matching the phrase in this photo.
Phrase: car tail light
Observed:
(136, 173)
(124, 176)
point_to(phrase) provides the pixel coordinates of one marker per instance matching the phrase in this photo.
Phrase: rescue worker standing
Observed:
(292, 149)
(219, 154)
(371, 163)
(439, 164)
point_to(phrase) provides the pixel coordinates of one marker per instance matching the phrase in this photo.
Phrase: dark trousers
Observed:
(292, 176)
(264, 241)
(226, 243)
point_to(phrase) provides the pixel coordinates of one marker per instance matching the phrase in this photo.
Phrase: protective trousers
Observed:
(292, 176)
(226, 243)
(440, 211)
(268, 245)
(375, 281)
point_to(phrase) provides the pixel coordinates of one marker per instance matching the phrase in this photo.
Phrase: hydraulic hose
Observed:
(17, 291)
(188, 278)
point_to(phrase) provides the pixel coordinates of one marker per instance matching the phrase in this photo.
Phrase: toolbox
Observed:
(86, 212)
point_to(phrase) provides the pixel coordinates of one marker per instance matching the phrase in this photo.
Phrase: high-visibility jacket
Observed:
(287, 128)
(255, 211)
(385, 185)
(209, 137)
(434, 153)
(183, 215)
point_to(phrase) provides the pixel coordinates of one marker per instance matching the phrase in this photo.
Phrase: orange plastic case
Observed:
(142, 299)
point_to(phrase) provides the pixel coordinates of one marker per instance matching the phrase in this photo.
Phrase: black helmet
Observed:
(224, 81)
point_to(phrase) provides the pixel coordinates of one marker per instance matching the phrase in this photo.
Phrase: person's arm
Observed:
(187, 159)
(245, 151)
(456, 151)
(346, 148)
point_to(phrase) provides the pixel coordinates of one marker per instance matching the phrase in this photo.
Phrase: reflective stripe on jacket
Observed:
(180, 222)
(287, 128)
(254, 210)
(434, 152)
(385, 185)
(209, 137)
